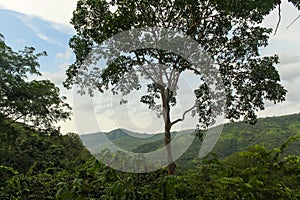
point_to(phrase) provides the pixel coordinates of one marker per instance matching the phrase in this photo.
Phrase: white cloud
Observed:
(28, 21)
(51, 10)
(286, 43)
(293, 90)
(66, 56)
(289, 72)
(288, 107)
(65, 59)
(288, 59)
(56, 78)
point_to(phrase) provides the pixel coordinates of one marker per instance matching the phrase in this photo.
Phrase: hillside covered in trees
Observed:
(217, 41)
(270, 132)
(263, 164)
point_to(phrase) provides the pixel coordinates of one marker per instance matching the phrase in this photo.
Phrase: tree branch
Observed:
(293, 22)
(183, 115)
(143, 68)
(279, 19)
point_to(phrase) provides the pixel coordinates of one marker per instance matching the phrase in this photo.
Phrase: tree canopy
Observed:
(228, 31)
(37, 102)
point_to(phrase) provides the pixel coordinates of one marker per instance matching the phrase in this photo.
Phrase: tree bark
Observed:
(166, 113)
(172, 164)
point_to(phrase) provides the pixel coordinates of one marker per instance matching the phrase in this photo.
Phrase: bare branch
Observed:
(162, 70)
(141, 64)
(183, 115)
(293, 22)
(279, 19)
(171, 77)
(174, 76)
(175, 82)
(14, 120)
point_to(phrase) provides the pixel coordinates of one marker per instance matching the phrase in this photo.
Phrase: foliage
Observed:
(22, 147)
(59, 167)
(296, 3)
(230, 33)
(253, 174)
(29, 159)
(269, 132)
(230, 28)
(45, 164)
(38, 103)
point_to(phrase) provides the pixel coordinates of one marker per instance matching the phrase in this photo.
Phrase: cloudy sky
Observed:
(45, 25)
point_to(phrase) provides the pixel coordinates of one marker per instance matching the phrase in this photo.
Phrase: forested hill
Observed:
(48, 165)
(23, 149)
(270, 132)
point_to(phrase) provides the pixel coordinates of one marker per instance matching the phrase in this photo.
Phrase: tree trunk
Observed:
(166, 113)
(172, 164)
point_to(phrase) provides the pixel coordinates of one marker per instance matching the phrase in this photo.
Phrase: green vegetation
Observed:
(269, 132)
(248, 162)
(33, 163)
(34, 156)
(176, 34)
(36, 103)
(48, 165)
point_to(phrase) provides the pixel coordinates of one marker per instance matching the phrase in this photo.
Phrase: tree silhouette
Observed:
(218, 41)
(36, 103)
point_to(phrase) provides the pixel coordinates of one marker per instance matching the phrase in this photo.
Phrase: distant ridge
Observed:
(94, 139)
(270, 132)
(128, 140)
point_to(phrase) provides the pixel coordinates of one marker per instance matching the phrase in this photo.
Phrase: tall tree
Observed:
(36, 103)
(229, 31)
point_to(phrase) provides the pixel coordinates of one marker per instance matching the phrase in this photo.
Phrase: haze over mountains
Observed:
(236, 137)
(122, 138)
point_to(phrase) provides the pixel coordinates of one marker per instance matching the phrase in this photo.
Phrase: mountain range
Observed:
(270, 132)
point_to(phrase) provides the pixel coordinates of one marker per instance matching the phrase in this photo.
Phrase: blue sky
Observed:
(45, 26)
(22, 30)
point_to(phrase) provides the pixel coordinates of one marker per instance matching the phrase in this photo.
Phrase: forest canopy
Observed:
(35, 102)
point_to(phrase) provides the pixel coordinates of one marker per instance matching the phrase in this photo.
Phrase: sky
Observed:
(44, 24)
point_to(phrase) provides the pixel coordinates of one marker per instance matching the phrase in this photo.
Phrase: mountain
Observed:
(124, 139)
(90, 140)
(270, 132)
